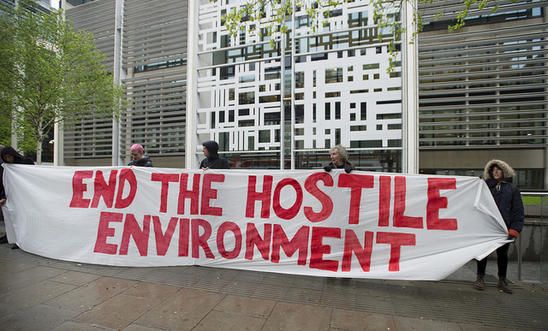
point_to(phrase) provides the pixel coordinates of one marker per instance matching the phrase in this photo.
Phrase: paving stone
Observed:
(38, 317)
(270, 292)
(476, 327)
(91, 294)
(75, 326)
(216, 320)
(134, 273)
(240, 287)
(181, 312)
(32, 295)
(246, 306)
(137, 327)
(117, 312)
(354, 320)
(290, 316)
(153, 293)
(303, 295)
(10, 266)
(75, 278)
(26, 277)
(412, 324)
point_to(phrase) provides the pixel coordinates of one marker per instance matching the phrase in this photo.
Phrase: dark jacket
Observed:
(507, 196)
(213, 161)
(2, 192)
(17, 159)
(347, 166)
(144, 162)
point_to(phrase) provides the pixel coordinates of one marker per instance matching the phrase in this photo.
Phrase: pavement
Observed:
(38, 293)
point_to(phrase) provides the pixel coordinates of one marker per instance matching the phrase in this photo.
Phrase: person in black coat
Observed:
(339, 160)
(2, 194)
(212, 160)
(9, 155)
(139, 159)
(498, 177)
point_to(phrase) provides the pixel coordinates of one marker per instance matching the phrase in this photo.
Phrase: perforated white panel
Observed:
(341, 92)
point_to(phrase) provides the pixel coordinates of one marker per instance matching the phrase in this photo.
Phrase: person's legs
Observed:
(482, 266)
(479, 284)
(3, 236)
(502, 262)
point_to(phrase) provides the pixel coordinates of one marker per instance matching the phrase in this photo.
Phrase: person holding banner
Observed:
(9, 155)
(139, 159)
(339, 159)
(3, 237)
(213, 160)
(498, 176)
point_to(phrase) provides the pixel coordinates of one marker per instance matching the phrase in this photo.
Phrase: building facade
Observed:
(483, 90)
(282, 101)
(38, 6)
(153, 72)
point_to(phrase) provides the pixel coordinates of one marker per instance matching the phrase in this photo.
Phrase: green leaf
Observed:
(57, 73)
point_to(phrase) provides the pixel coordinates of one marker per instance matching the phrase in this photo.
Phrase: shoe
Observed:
(4, 239)
(479, 284)
(502, 285)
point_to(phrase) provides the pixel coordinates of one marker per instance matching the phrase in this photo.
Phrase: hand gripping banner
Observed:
(358, 225)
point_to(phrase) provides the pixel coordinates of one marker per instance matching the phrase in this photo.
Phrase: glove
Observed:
(347, 168)
(512, 233)
(328, 168)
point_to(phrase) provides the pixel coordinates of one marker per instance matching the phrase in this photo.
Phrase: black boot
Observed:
(4, 239)
(502, 285)
(479, 284)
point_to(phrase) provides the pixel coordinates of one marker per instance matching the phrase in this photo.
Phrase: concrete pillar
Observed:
(58, 144)
(58, 136)
(117, 77)
(546, 117)
(191, 138)
(410, 93)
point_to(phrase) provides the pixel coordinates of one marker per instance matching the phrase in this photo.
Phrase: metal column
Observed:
(410, 116)
(117, 73)
(191, 139)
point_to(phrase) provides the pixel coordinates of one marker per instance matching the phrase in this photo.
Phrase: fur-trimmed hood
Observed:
(507, 170)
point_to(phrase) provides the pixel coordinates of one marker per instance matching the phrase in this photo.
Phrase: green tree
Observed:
(50, 72)
(6, 61)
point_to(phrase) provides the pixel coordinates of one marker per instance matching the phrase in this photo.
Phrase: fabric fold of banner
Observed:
(359, 225)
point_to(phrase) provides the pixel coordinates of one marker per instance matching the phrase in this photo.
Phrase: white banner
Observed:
(358, 225)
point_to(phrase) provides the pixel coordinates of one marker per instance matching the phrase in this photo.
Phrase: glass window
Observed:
(246, 98)
(334, 75)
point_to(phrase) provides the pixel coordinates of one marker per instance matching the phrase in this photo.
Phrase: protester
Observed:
(9, 155)
(339, 160)
(3, 238)
(498, 176)
(213, 160)
(139, 159)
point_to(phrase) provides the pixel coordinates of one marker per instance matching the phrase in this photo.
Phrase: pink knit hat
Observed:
(137, 148)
